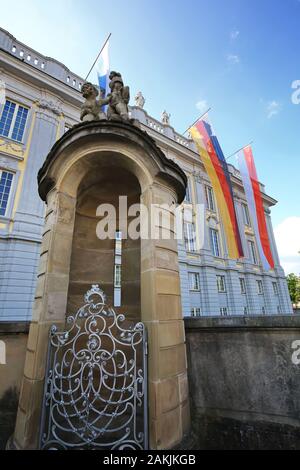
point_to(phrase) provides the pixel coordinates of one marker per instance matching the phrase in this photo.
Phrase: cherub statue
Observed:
(118, 98)
(91, 110)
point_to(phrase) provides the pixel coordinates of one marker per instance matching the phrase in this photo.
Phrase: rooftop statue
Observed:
(165, 118)
(91, 110)
(139, 100)
(118, 98)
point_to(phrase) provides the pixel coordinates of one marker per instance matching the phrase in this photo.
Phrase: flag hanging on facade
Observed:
(255, 205)
(102, 67)
(217, 170)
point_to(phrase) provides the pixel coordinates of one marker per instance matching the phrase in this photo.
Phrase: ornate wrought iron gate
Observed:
(96, 381)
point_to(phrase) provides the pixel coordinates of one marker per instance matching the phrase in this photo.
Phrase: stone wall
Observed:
(244, 387)
(14, 337)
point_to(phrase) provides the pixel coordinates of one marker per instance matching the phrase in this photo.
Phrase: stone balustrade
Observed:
(48, 65)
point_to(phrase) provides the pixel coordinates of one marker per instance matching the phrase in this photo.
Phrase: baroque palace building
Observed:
(42, 101)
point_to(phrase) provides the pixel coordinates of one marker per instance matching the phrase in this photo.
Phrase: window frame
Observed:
(252, 252)
(224, 311)
(13, 121)
(275, 288)
(222, 279)
(190, 243)
(215, 242)
(260, 287)
(188, 199)
(246, 215)
(210, 198)
(194, 276)
(6, 215)
(192, 312)
(242, 285)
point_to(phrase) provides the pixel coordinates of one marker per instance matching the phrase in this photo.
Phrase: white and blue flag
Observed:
(103, 71)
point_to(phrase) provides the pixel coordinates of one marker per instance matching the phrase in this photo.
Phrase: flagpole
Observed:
(97, 57)
(242, 148)
(198, 119)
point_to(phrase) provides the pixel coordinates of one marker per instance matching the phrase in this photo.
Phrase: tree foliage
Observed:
(294, 287)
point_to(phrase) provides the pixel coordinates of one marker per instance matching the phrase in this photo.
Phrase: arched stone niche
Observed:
(93, 259)
(95, 163)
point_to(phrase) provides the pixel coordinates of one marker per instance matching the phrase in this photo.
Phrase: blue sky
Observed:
(240, 57)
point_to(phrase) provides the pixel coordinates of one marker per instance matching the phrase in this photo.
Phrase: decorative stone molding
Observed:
(198, 175)
(50, 106)
(212, 216)
(11, 148)
(249, 231)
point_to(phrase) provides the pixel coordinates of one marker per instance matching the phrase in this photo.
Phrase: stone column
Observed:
(161, 312)
(49, 308)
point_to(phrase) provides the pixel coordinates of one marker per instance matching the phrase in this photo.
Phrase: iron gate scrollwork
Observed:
(95, 393)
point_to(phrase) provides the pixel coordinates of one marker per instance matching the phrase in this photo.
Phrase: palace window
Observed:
(223, 311)
(210, 200)
(214, 240)
(242, 285)
(252, 252)
(13, 120)
(188, 194)
(6, 178)
(275, 288)
(245, 310)
(190, 236)
(194, 281)
(221, 284)
(246, 215)
(263, 310)
(195, 312)
(260, 289)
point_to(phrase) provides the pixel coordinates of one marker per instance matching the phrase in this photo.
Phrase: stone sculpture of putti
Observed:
(118, 98)
(91, 110)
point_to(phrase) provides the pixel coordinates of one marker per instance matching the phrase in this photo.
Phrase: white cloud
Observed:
(234, 34)
(233, 59)
(273, 108)
(287, 235)
(202, 106)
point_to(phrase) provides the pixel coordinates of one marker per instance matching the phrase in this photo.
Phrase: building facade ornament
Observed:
(11, 148)
(50, 106)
